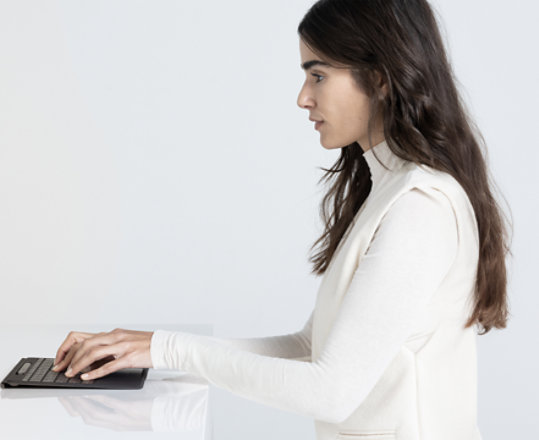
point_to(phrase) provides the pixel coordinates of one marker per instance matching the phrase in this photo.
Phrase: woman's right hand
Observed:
(100, 354)
(73, 340)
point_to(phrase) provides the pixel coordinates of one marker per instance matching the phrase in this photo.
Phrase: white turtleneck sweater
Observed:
(411, 251)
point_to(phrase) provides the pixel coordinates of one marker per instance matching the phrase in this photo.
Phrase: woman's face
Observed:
(331, 95)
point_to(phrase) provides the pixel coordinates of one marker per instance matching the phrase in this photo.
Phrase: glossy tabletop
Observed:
(171, 405)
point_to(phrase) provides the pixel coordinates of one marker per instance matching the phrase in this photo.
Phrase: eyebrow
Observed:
(308, 64)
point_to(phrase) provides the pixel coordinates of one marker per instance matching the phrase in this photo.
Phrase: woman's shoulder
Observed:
(439, 185)
(429, 179)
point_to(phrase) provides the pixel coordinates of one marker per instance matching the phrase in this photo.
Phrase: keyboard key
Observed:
(42, 370)
(37, 363)
(24, 368)
(50, 376)
(62, 378)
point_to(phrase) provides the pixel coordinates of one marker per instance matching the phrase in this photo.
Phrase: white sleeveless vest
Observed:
(429, 390)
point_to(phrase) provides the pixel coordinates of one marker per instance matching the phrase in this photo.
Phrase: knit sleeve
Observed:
(408, 257)
(290, 346)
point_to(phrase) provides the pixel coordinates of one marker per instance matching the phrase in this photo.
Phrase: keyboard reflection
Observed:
(168, 402)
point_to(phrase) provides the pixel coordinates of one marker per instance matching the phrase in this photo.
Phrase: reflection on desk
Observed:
(169, 402)
(171, 405)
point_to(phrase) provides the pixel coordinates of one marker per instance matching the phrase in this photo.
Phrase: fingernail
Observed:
(84, 376)
(68, 372)
(55, 367)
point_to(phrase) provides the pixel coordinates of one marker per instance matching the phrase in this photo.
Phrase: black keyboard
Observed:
(39, 370)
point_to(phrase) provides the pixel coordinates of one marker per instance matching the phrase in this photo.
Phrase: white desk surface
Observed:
(172, 404)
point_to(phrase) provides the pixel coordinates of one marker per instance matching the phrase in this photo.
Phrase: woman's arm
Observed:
(291, 346)
(410, 254)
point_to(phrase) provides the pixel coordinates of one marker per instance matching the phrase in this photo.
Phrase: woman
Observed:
(412, 256)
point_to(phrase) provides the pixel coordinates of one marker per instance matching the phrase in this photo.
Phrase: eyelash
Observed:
(320, 76)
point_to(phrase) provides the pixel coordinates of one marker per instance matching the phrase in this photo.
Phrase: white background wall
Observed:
(155, 167)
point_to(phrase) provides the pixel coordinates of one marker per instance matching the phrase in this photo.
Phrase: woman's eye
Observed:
(317, 76)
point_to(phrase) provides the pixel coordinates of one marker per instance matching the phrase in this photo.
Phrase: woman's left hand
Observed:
(125, 348)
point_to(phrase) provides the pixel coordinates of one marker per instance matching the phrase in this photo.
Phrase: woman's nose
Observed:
(304, 99)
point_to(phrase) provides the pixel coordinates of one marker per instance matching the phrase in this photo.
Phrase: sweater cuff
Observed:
(158, 347)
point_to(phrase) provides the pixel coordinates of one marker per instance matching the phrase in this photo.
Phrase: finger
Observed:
(62, 365)
(109, 367)
(73, 352)
(85, 357)
(90, 351)
(100, 362)
(72, 338)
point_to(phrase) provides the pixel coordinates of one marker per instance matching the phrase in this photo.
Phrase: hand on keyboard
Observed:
(114, 351)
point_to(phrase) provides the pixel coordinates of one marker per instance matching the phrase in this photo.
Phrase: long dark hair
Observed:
(425, 121)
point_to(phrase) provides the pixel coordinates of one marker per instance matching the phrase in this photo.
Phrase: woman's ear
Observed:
(383, 88)
(382, 85)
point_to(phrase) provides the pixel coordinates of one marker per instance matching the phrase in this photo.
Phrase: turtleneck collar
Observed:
(386, 156)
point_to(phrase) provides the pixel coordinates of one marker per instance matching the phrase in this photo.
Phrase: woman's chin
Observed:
(331, 146)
